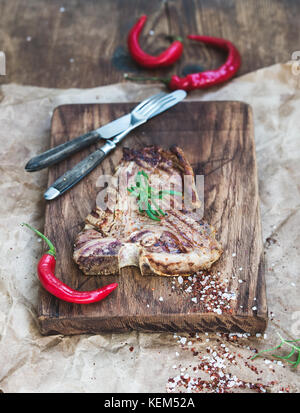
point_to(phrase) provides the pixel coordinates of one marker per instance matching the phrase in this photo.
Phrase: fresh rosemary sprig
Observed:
(146, 196)
(287, 358)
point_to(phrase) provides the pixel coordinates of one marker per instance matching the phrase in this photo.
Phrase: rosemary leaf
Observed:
(144, 193)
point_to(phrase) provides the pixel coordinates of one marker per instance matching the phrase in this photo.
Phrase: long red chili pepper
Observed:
(166, 58)
(53, 285)
(210, 77)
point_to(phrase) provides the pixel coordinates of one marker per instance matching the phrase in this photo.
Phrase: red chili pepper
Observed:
(166, 58)
(208, 78)
(53, 285)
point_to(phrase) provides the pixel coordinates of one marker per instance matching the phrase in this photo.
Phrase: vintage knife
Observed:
(63, 151)
(138, 117)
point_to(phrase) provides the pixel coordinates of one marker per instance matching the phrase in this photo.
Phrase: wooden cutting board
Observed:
(218, 140)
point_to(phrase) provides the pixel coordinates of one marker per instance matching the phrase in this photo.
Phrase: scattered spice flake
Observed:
(210, 372)
(131, 348)
(270, 241)
(219, 380)
(208, 290)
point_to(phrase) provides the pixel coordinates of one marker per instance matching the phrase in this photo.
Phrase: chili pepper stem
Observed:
(174, 37)
(51, 250)
(142, 79)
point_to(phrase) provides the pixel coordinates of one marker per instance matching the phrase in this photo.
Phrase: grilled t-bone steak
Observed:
(118, 235)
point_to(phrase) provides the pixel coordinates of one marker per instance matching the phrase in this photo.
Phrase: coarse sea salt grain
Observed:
(161, 299)
(194, 299)
(279, 363)
(180, 279)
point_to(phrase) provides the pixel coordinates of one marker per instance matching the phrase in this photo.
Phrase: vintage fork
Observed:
(66, 149)
(139, 115)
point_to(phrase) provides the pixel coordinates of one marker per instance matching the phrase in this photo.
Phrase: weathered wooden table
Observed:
(82, 43)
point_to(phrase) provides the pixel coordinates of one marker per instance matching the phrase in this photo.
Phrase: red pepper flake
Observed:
(131, 348)
(211, 374)
(207, 290)
(251, 367)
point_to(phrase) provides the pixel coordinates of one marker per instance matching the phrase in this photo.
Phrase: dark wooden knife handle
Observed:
(79, 171)
(61, 152)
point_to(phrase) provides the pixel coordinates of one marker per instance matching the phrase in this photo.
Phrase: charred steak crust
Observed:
(118, 235)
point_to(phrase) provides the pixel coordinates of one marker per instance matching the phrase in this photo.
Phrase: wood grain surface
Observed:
(82, 43)
(218, 140)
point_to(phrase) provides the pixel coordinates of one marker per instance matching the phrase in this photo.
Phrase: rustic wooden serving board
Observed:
(218, 140)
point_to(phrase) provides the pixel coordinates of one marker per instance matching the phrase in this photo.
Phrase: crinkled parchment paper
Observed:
(136, 361)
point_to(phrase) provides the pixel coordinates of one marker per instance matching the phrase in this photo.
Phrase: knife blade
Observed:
(66, 149)
(83, 168)
(61, 152)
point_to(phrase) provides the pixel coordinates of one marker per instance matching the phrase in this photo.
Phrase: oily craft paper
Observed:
(139, 362)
